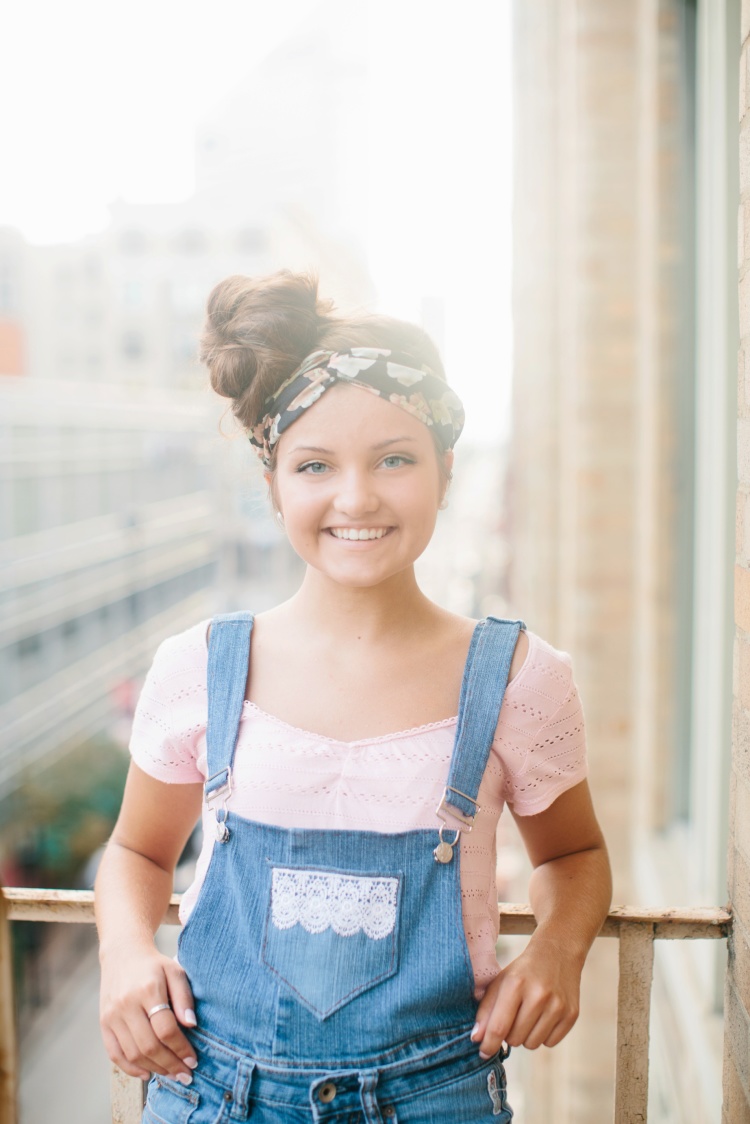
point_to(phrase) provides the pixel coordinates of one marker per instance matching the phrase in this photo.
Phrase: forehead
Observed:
(355, 415)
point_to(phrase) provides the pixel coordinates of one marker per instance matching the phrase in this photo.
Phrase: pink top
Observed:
(294, 778)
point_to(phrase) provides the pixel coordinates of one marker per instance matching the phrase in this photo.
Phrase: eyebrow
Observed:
(329, 452)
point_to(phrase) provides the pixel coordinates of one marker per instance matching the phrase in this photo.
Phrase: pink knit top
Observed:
(294, 778)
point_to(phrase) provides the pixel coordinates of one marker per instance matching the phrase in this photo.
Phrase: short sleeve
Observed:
(541, 735)
(169, 724)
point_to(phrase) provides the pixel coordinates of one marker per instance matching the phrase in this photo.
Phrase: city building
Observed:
(130, 508)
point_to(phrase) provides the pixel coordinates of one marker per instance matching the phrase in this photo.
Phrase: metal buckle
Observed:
(445, 808)
(224, 791)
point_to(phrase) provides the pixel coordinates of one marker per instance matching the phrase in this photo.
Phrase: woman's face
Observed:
(359, 484)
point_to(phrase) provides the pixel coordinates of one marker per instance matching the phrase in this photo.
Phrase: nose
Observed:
(356, 495)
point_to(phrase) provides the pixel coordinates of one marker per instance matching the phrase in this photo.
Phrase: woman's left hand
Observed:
(533, 1002)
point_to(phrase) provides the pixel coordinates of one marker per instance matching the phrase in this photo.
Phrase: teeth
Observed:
(352, 533)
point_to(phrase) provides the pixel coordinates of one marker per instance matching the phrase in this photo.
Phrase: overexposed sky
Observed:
(99, 100)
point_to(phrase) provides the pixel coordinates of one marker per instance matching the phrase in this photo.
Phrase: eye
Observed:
(388, 461)
(316, 468)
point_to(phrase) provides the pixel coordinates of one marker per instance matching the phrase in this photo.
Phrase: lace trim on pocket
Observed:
(318, 900)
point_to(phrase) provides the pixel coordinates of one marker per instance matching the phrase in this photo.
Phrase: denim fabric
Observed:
(433, 1080)
(228, 661)
(482, 690)
(246, 993)
(330, 969)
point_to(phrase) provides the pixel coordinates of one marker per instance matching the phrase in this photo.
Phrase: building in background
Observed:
(129, 505)
(623, 487)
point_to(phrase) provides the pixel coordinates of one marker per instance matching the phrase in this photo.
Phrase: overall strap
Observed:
(228, 658)
(482, 691)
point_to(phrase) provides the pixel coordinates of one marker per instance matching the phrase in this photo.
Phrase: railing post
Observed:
(8, 1052)
(633, 1011)
(127, 1097)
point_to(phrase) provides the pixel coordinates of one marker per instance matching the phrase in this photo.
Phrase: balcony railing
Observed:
(636, 930)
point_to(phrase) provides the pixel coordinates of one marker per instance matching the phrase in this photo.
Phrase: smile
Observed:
(356, 533)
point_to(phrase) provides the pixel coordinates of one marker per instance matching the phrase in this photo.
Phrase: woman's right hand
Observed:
(132, 983)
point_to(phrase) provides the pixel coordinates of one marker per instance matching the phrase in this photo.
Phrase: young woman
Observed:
(351, 751)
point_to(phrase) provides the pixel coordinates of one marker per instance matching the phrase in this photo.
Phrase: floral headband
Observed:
(377, 369)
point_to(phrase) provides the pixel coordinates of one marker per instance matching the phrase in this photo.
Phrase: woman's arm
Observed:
(132, 891)
(534, 1000)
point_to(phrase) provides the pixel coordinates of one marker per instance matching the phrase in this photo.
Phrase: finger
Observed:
(165, 1026)
(536, 1021)
(497, 1017)
(180, 995)
(115, 1054)
(160, 1038)
(530, 1031)
(484, 1010)
(142, 1045)
(562, 1028)
(132, 1052)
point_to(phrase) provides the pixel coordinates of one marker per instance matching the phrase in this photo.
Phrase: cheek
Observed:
(302, 509)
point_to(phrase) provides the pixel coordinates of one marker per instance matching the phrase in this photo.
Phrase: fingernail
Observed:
(185, 1078)
(192, 1062)
(475, 1032)
(484, 1057)
(190, 1018)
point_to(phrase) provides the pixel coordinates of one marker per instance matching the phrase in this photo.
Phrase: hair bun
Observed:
(258, 329)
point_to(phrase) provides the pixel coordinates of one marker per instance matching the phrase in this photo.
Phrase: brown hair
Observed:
(259, 329)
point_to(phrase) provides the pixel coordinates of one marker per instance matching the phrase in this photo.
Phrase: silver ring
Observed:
(159, 1007)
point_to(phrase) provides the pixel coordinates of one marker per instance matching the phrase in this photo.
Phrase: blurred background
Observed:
(551, 188)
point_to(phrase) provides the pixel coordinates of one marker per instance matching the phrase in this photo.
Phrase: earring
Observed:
(279, 518)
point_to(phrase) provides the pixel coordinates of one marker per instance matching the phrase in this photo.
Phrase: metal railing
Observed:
(636, 930)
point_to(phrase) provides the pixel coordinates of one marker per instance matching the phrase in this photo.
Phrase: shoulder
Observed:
(540, 667)
(170, 716)
(182, 652)
(540, 740)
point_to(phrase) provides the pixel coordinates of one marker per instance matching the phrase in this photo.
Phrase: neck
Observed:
(395, 607)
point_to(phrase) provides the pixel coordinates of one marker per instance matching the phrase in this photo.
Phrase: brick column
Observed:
(737, 993)
(572, 488)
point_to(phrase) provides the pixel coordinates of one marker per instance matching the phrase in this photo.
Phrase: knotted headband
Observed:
(376, 369)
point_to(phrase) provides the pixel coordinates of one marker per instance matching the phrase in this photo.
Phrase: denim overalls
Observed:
(330, 969)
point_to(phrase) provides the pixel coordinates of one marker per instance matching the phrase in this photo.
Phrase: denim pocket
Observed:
(168, 1102)
(331, 934)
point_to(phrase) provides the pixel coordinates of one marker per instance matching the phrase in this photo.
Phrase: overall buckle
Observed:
(445, 808)
(223, 792)
(444, 851)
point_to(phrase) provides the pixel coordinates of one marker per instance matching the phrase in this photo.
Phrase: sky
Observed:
(100, 100)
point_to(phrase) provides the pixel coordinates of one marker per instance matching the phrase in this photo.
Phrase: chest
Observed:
(355, 694)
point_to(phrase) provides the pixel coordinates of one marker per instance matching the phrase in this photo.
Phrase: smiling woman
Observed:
(369, 496)
(342, 765)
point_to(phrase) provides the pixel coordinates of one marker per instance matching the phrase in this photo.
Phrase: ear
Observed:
(448, 458)
(268, 477)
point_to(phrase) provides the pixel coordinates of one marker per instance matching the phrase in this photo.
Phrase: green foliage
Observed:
(64, 813)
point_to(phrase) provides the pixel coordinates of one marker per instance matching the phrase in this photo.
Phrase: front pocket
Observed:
(331, 934)
(168, 1101)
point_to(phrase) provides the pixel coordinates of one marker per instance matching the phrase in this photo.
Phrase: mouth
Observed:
(359, 534)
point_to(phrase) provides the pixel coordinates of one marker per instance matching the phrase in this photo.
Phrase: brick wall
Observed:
(737, 992)
(572, 484)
